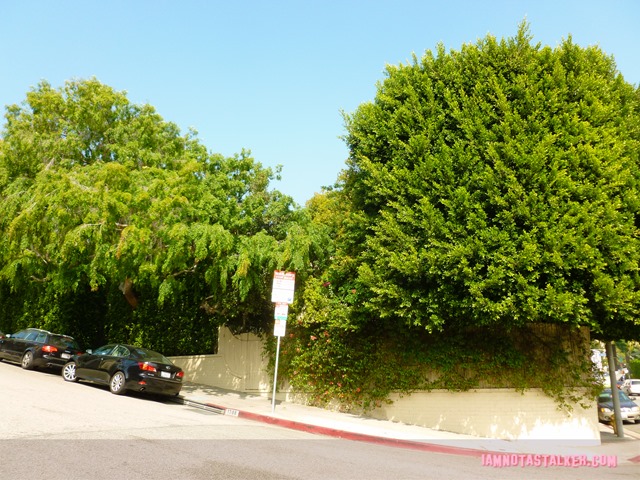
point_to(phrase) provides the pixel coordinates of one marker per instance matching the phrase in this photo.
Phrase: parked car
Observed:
(126, 368)
(629, 410)
(33, 348)
(631, 386)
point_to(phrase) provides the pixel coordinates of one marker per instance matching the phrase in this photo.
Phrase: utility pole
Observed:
(615, 395)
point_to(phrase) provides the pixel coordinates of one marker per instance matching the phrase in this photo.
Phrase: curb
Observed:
(362, 437)
(627, 433)
(200, 405)
(333, 432)
(336, 433)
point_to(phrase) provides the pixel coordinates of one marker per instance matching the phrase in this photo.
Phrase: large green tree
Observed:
(490, 207)
(500, 185)
(105, 203)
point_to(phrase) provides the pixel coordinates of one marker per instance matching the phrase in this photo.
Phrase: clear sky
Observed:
(273, 76)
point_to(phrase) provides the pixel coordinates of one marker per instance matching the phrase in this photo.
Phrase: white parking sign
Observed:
(283, 287)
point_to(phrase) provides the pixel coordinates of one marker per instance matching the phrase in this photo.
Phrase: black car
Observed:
(126, 368)
(33, 348)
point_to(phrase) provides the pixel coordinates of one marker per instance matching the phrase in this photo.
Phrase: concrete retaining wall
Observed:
(492, 413)
(238, 365)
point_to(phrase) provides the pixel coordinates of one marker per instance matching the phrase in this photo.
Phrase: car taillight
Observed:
(146, 367)
(180, 374)
(49, 349)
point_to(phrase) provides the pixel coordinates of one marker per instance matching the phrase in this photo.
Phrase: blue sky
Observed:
(274, 76)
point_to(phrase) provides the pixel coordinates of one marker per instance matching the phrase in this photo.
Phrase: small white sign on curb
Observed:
(280, 325)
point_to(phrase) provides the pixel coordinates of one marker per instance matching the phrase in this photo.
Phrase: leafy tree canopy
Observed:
(487, 220)
(498, 185)
(99, 195)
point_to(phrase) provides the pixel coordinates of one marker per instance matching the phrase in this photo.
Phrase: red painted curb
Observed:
(333, 432)
(361, 437)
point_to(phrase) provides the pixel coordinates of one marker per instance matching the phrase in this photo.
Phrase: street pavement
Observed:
(359, 428)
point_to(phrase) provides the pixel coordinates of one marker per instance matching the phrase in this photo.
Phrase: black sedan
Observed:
(34, 347)
(126, 368)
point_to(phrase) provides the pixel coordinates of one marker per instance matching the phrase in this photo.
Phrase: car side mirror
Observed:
(8, 335)
(89, 351)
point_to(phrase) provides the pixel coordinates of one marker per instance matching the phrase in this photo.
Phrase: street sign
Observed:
(280, 328)
(281, 312)
(282, 295)
(283, 287)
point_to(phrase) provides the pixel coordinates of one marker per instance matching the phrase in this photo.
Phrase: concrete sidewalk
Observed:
(354, 427)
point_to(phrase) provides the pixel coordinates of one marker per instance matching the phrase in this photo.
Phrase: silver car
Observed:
(631, 386)
(629, 410)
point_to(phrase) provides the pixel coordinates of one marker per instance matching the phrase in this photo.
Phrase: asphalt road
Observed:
(62, 431)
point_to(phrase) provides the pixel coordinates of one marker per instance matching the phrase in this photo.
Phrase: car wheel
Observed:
(27, 360)
(116, 384)
(69, 372)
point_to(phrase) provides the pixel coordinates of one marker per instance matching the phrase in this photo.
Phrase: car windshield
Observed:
(104, 350)
(20, 334)
(624, 397)
(606, 397)
(64, 342)
(150, 356)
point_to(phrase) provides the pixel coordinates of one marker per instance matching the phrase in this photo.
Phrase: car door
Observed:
(89, 365)
(112, 362)
(36, 341)
(6, 345)
(15, 345)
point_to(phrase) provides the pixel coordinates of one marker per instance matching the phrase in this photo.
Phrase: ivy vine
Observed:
(359, 370)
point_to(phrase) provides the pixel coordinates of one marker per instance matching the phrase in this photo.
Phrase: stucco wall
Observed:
(493, 413)
(238, 365)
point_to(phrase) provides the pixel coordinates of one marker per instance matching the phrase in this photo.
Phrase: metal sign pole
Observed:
(282, 295)
(275, 378)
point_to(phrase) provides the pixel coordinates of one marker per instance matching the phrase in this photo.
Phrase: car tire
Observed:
(69, 372)
(116, 384)
(27, 360)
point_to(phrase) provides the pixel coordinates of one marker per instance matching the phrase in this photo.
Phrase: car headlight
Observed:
(606, 410)
(635, 409)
